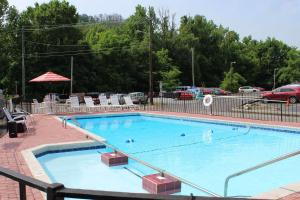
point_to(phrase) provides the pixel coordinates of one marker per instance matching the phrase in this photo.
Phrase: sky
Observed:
(259, 18)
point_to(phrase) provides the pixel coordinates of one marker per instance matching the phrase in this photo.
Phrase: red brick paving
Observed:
(45, 130)
(49, 130)
(295, 196)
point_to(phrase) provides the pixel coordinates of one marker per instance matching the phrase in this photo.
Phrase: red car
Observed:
(184, 95)
(207, 90)
(288, 92)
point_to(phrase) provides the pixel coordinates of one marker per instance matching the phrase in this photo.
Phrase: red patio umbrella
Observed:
(50, 77)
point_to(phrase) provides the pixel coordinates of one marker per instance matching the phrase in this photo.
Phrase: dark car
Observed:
(285, 93)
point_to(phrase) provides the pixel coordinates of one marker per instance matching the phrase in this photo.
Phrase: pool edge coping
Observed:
(35, 166)
(272, 194)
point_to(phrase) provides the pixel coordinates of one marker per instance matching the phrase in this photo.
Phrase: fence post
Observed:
(52, 191)
(22, 191)
(162, 102)
(184, 105)
(280, 111)
(243, 106)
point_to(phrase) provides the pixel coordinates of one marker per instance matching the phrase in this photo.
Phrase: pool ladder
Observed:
(280, 158)
(64, 121)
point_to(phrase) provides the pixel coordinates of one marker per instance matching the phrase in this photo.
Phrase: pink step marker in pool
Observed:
(114, 159)
(157, 184)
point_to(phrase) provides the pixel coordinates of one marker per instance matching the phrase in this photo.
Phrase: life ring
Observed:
(207, 100)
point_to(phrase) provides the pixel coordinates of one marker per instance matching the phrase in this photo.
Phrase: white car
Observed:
(248, 89)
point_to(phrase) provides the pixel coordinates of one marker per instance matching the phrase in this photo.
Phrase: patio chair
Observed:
(104, 102)
(20, 111)
(75, 106)
(115, 102)
(90, 104)
(19, 119)
(129, 103)
(38, 107)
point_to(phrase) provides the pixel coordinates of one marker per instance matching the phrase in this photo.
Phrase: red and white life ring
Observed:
(207, 100)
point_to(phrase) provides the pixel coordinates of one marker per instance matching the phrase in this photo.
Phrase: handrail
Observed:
(64, 121)
(56, 191)
(257, 167)
(37, 184)
(162, 171)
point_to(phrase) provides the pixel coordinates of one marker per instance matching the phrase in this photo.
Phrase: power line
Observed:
(75, 24)
(73, 53)
(57, 45)
(46, 28)
(84, 50)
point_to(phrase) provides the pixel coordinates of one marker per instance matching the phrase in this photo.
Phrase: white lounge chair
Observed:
(90, 104)
(75, 106)
(115, 102)
(104, 102)
(129, 103)
(38, 107)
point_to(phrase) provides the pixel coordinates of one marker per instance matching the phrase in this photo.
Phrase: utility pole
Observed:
(150, 62)
(71, 89)
(193, 67)
(23, 65)
(274, 78)
(16, 87)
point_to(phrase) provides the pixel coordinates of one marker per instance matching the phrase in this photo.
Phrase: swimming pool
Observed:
(201, 151)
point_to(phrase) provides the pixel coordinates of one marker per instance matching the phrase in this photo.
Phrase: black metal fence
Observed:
(57, 191)
(249, 106)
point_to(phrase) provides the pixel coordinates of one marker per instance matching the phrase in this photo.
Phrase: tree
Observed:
(169, 72)
(232, 81)
(291, 73)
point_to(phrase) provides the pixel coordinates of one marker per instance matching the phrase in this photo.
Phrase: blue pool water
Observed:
(202, 152)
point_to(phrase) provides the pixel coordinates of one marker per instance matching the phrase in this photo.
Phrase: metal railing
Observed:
(163, 172)
(248, 106)
(257, 167)
(236, 106)
(57, 191)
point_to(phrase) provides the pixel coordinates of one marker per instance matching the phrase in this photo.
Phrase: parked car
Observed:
(248, 89)
(184, 95)
(284, 93)
(260, 89)
(138, 97)
(207, 90)
(219, 91)
(182, 88)
(195, 91)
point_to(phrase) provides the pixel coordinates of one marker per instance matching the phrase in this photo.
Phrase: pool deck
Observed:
(48, 130)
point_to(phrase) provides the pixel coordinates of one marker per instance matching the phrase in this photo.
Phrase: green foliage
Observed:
(232, 81)
(113, 55)
(291, 73)
(169, 72)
